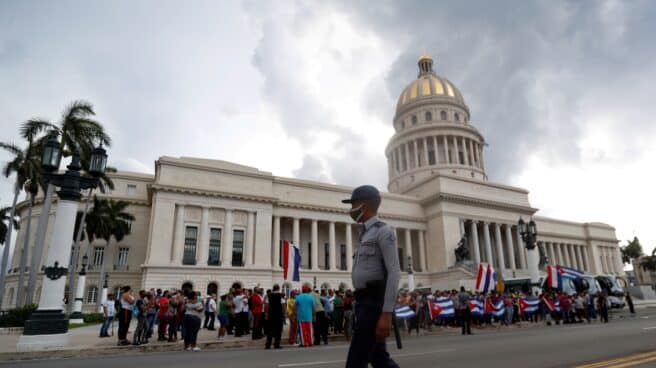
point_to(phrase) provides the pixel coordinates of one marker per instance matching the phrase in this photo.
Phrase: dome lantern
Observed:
(425, 64)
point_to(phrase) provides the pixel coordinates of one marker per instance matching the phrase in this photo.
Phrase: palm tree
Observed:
(25, 164)
(4, 220)
(106, 220)
(78, 133)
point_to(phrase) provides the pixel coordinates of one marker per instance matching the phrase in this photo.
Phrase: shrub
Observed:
(93, 318)
(16, 317)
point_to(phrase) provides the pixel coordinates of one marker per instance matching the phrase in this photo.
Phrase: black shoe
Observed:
(277, 347)
(267, 347)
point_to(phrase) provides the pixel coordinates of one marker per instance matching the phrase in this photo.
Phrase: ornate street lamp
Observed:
(76, 316)
(529, 233)
(47, 327)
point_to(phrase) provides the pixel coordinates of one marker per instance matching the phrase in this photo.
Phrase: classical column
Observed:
(178, 239)
(331, 244)
(408, 247)
(465, 151)
(76, 316)
(552, 254)
(559, 255)
(584, 257)
(349, 247)
(227, 239)
(250, 239)
(488, 243)
(437, 153)
(425, 140)
(520, 249)
(276, 242)
(474, 236)
(407, 156)
(499, 245)
(202, 252)
(422, 251)
(579, 259)
(446, 149)
(480, 156)
(314, 248)
(414, 153)
(568, 256)
(455, 148)
(511, 247)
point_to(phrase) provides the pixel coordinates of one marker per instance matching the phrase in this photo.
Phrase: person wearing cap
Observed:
(375, 277)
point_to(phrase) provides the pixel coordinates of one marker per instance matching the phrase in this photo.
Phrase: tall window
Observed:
(215, 247)
(238, 248)
(123, 256)
(401, 262)
(457, 117)
(326, 256)
(132, 189)
(429, 116)
(92, 294)
(342, 256)
(98, 255)
(414, 119)
(443, 115)
(191, 236)
(431, 157)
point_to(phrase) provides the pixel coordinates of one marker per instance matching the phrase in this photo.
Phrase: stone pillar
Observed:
(559, 255)
(178, 239)
(415, 157)
(456, 149)
(521, 249)
(349, 247)
(465, 151)
(566, 260)
(511, 248)
(76, 316)
(422, 251)
(579, 256)
(408, 247)
(437, 152)
(276, 242)
(552, 254)
(480, 157)
(446, 149)
(475, 153)
(202, 253)
(250, 239)
(407, 156)
(425, 141)
(499, 244)
(227, 239)
(584, 258)
(474, 236)
(488, 244)
(332, 246)
(314, 247)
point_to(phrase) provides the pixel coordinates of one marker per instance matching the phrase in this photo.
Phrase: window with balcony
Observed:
(98, 256)
(123, 253)
(191, 237)
(238, 248)
(214, 258)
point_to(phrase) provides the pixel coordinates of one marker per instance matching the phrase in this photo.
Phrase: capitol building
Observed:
(208, 223)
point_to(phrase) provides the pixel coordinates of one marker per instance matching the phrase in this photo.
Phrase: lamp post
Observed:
(47, 327)
(411, 275)
(103, 295)
(76, 316)
(529, 234)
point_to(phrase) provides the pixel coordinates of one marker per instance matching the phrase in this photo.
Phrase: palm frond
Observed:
(31, 128)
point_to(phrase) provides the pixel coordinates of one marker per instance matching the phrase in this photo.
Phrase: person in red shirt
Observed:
(162, 317)
(257, 302)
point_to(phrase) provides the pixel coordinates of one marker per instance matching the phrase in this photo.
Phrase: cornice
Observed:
(467, 180)
(342, 211)
(446, 197)
(184, 164)
(434, 101)
(212, 193)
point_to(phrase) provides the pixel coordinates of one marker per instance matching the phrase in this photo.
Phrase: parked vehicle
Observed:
(614, 289)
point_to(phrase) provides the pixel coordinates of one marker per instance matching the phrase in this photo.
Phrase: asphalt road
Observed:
(622, 343)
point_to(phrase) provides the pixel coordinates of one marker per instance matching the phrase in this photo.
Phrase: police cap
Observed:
(363, 193)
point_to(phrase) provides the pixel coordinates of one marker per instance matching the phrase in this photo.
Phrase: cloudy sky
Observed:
(563, 91)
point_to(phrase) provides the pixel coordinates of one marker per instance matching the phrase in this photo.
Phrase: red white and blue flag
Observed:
(291, 261)
(556, 274)
(476, 307)
(442, 307)
(495, 309)
(552, 304)
(529, 304)
(486, 279)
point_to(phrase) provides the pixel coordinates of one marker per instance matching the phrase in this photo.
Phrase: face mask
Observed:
(356, 213)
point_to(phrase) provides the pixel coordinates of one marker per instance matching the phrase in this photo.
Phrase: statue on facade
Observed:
(462, 251)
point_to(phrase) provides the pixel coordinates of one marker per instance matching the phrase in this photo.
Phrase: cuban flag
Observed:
(570, 273)
(476, 307)
(495, 309)
(554, 279)
(528, 305)
(552, 304)
(486, 279)
(404, 312)
(442, 307)
(291, 261)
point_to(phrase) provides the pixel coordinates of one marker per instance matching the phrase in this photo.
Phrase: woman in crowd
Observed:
(338, 313)
(291, 314)
(125, 315)
(162, 316)
(173, 317)
(348, 304)
(225, 306)
(192, 320)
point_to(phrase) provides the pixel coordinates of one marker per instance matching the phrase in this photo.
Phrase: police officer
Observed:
(375, 279)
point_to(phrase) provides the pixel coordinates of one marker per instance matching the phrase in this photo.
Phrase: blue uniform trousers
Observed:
(364, 348)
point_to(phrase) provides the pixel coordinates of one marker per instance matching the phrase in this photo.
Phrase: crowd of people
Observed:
(313, 315)
(553, 307)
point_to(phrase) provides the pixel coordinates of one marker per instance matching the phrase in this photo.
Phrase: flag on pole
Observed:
(442, 307)
(528, 305)
(570, 273)
(291, 261)
(552, 304)
(556, 274)
(476, 307)
(486, 278)
(495, 309)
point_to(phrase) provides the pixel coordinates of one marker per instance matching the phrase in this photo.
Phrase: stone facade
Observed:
(210, 222)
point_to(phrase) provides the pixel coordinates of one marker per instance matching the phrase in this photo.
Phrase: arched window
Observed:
(325, 286)
(212, 288)
(457, 117)
(429, 116)
(443, 115)
(342, 286)
(92, 294)
(414, 119)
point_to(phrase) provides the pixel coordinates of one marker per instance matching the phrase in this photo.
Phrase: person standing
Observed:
(257, 303)
(629, 302)
(125, 315)
(348, 303)
(224, 316)
(306, 306)
(464, 312)
(210, 312)
(375, 276)
(192, 319)
(241, 310)
(140, 311)
(274, 316)
(108, 315)
(338, 313)
(162, 316)
(508, 306)
(602, 306)
(293, 321)
(320, 325)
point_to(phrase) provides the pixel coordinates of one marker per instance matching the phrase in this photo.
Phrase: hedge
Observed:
(16, 317)
(93, 318)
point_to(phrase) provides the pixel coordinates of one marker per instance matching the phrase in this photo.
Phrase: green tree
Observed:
(78, 132)
(649, 262)
(631, 250)
(4, 221)
(106, 220)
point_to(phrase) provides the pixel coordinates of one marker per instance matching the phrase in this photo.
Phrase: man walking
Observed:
(376, 280)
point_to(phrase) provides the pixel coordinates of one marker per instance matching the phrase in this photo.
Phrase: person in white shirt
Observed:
(108, 315)
(210, 312)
